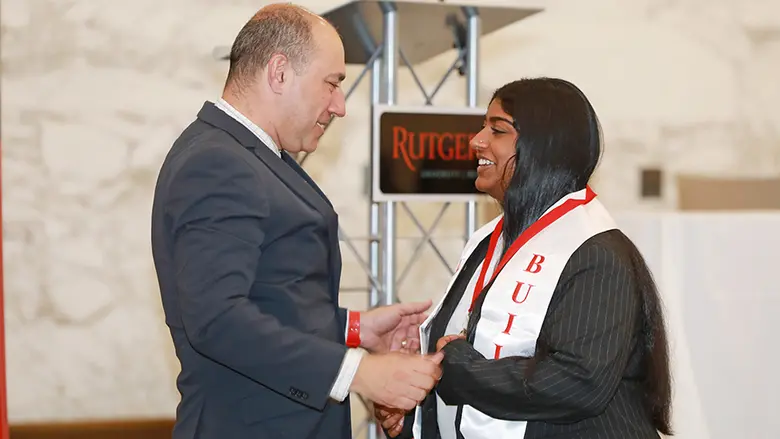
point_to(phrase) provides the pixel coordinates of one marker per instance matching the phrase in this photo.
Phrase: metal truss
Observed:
(380, 267)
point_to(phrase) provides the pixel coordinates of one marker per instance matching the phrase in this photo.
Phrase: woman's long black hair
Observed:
(557, 149)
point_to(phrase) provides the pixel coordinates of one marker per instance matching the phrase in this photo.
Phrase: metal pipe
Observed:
(472, 88)
(389, 78)
(390, 52)
(373, 226)
(384, 74)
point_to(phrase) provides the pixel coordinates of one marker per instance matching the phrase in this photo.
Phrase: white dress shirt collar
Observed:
(251, 126)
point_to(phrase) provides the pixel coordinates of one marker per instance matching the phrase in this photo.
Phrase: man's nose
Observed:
(338, 105)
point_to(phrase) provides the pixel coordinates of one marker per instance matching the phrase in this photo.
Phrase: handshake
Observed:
(391, 418)
(397, 380)
(394, 375)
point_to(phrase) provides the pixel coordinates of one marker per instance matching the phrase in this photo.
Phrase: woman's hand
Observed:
(446, 339)
(391, 420)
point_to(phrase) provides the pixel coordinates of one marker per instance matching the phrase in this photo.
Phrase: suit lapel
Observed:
(295, 178)
(456, 292)
(333, 226)
(287, 158)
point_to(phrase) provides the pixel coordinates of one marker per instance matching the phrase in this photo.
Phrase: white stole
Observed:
(516, 304)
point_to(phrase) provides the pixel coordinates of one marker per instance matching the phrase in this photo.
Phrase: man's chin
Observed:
(311, 146)
(306, 148)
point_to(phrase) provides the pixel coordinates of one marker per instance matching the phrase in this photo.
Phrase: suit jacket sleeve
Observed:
(588, 336)
(218, 210)
(343, 315)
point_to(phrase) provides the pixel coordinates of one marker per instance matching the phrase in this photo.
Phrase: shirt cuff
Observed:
(349, 367)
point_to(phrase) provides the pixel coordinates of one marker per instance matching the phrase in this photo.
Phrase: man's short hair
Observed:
(277, 28)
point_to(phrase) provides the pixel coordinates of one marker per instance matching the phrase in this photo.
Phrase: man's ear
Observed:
(278, 72)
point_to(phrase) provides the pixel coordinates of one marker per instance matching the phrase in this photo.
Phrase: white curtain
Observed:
(718, 277)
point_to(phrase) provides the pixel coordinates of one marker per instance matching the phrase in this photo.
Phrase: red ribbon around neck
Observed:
(533, 230)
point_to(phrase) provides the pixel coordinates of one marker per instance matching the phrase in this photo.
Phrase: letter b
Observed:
(535, 265)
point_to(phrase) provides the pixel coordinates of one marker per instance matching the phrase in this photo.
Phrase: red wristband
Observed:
(353, 330)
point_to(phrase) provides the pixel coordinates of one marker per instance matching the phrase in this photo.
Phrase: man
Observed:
(247, 255)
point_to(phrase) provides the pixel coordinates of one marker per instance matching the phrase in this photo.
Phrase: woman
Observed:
(552, 325)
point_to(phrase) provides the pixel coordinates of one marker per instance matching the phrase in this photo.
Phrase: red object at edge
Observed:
(353, 329)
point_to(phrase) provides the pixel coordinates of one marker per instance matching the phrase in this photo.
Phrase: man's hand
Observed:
(446, 339)
(391, 420)
(392, 328)
(396, 380)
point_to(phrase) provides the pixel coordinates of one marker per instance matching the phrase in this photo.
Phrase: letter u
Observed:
(517, 292)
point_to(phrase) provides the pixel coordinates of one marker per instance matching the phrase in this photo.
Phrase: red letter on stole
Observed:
(508, 328)
(517, 292)
(535, 265)
(509, 323)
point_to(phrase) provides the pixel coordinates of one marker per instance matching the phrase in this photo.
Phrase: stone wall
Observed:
(93, 93)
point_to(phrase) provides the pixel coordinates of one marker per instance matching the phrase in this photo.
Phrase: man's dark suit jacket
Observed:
(585, 381)
(248, 261)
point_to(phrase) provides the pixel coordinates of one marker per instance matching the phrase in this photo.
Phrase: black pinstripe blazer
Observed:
(584, 381)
